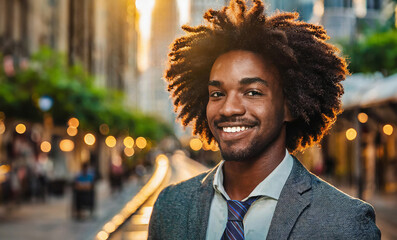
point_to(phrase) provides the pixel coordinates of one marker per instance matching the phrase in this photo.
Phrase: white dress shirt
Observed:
(257, 219)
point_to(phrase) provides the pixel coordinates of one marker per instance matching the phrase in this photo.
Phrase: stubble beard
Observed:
(253, 151)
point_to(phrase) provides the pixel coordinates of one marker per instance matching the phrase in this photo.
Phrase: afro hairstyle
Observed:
(309, 67)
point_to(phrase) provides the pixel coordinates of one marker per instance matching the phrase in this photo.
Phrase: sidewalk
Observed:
(52, 220)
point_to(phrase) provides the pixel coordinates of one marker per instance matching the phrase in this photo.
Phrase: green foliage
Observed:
(376, 52)
(74, 95)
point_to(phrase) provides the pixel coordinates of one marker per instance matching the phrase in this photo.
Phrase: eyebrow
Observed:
(243, 81)
(214, 83)
(247, 81)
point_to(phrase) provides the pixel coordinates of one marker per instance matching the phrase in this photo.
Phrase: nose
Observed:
(232, 106)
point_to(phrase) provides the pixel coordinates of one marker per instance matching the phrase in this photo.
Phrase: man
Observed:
(261, 87)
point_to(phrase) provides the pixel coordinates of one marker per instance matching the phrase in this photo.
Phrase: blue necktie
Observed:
(236, 212)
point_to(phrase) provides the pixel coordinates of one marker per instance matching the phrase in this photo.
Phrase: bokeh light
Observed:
(104, 129)
(162, 159)
(73, 122)
(102, 235)
(195, 144)
(111, 141)
(388, 129)
(2, 127)
(45, 146)
(141, 142)
(351, 134)
(109, 227)
(362, 117)
(129, 152)
(66, 145)
(89, 139)
(4, 169)
(20, 128)
(128, 142)
(72, 131)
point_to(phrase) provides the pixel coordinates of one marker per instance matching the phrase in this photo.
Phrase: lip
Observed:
(234, 124)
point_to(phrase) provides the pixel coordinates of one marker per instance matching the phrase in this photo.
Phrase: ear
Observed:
(287, 113)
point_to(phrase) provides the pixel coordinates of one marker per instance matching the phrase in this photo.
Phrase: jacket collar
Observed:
(201, 205)
(294, 198)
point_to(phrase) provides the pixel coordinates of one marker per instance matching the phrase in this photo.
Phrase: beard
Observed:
(253, 151)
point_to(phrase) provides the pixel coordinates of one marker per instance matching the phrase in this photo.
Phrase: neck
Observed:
(241, 178)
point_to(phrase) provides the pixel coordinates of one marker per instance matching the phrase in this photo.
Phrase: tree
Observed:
(73, 94)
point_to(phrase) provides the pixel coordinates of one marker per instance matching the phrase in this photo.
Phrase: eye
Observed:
(216, 94)
(253, 93)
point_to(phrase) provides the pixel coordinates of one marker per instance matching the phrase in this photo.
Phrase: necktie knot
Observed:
(237, 209)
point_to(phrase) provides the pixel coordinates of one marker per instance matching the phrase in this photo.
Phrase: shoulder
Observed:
(328, 195)
(348, 217)
(182, 189)
(170, 212)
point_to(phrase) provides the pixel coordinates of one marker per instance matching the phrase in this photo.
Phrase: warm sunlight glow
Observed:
(388, 129)
(89, 139)
(318, 8)
(20, 128)
(110, 141)
(362, 117)
(351, 134)
(145, 8)
(184, 11)
(66, 145)
(45, 146)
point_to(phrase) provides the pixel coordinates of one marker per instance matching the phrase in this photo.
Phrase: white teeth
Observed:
(235, 129)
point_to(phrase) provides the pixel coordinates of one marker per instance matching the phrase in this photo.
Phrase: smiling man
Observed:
(262, 88)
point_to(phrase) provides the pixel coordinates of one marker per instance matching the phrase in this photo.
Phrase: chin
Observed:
(242, 155)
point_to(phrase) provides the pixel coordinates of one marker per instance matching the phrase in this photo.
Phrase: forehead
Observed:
(239, 64)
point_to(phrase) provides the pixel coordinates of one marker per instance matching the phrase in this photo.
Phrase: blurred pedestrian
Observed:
(83, 192)
(262, 88)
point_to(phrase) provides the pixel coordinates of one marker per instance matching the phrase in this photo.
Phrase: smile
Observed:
(235, 129)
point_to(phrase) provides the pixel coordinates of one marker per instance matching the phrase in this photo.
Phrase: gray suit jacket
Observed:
(308, 208)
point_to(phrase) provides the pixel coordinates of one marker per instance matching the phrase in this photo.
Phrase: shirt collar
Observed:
(270, 187)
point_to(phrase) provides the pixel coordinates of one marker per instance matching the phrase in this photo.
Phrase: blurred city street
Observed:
(52, 220)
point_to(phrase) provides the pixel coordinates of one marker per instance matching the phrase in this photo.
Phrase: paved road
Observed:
(182, 168)
(52, 220)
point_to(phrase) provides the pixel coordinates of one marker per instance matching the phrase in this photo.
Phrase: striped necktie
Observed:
(236, 212)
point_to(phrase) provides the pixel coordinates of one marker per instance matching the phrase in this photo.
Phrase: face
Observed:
(246, 110)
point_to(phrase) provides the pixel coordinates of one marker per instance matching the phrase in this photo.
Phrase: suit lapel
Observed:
(201, 204)
(294, 198)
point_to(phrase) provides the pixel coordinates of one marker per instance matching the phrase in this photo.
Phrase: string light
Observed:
(388, 129)
(20, 128)
(89, 139)
(351, 134)
(111, 141)
(45, 146)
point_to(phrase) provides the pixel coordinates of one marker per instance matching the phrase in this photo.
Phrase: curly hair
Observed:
(310, 68)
